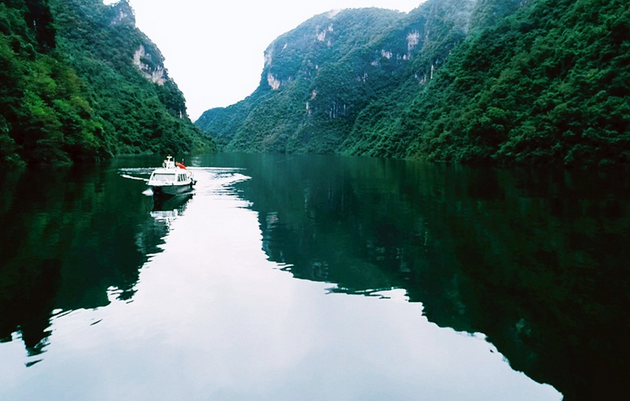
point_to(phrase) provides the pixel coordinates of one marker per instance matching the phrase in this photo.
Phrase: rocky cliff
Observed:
(507, 81)
(318, 78)
(79, 81)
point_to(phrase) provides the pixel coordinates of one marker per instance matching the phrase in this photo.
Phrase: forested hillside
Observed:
(548, 85)
(304, 99)
(508, 81)
(78, 81)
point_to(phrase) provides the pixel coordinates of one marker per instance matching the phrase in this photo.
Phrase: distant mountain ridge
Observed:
(79, 82)
(453, 80)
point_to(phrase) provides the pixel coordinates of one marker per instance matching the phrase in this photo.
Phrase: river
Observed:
(286, 277)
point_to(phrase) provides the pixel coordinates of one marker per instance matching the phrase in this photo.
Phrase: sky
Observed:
(214, 49)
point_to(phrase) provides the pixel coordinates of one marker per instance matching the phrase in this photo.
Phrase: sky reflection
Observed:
(213, 319)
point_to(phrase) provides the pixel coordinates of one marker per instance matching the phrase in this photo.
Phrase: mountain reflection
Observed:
(537, 261)
(71, 238)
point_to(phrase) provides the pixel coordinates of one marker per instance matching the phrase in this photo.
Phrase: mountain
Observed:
(300, 105)
(499, 81)
(79, 82)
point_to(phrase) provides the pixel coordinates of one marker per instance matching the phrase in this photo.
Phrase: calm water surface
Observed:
(311, 278)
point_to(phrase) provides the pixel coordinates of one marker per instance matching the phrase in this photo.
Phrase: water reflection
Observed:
(171, 206)
(72, 238)
(538, 261)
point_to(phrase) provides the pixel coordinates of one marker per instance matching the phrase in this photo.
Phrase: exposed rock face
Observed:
(145, 64)
(273, 82)
(123, 14)
(147, 57)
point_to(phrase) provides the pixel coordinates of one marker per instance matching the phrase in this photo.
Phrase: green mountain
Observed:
(502, 81)
(78, 81)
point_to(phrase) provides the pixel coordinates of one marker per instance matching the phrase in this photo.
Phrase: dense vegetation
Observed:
(78, 81)
(506, 81)
(548, 85)
(303, 101)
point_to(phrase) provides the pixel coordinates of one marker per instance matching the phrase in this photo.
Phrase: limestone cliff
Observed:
(79, 81)
(480, 81)
(318, 78)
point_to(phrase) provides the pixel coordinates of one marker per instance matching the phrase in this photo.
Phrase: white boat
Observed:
(171, 179)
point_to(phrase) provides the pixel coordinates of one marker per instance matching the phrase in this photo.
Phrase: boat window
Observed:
(162, 177)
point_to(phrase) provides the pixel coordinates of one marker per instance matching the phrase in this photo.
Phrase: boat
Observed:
(171, 179)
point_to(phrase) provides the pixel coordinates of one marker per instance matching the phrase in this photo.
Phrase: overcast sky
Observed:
(214, 48)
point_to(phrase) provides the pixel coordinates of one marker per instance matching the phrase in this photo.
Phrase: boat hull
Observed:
(171, 189)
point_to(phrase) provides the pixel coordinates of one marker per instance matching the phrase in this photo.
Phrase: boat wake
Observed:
(213, 179)
(134, 178)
